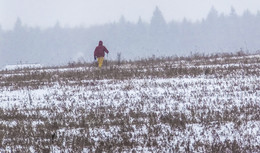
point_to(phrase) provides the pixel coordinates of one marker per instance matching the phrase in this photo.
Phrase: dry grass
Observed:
(145, 126)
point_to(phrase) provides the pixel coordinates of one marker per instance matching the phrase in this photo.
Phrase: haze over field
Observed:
(56, 32)
(91, 12)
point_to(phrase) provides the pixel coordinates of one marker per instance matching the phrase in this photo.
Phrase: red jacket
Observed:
(100, 50)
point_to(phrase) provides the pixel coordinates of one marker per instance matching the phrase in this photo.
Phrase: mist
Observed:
(57, 45)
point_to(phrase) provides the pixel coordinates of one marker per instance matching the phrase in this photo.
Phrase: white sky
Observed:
(69, 13)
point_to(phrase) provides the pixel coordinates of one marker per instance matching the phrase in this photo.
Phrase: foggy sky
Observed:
(70, 13)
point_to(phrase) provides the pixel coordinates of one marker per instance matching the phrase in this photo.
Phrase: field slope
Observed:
(176, 104)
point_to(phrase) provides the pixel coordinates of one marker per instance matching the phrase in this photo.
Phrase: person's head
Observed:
(100, 43)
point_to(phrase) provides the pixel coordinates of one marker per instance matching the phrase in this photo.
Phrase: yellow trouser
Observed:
(100, 61)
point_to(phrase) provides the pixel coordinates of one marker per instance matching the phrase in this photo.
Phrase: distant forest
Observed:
(59, 45)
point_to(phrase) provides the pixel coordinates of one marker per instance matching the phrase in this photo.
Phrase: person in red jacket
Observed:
(99, 53)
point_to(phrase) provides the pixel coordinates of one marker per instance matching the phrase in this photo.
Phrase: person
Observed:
(99, 53)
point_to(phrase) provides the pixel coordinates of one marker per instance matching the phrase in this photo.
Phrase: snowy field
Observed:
(196, 104)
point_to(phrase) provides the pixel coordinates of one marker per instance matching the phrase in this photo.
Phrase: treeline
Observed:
(59, 45)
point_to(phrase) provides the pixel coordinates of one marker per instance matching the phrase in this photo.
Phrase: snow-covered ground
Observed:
(201, 113)
(21, 66)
